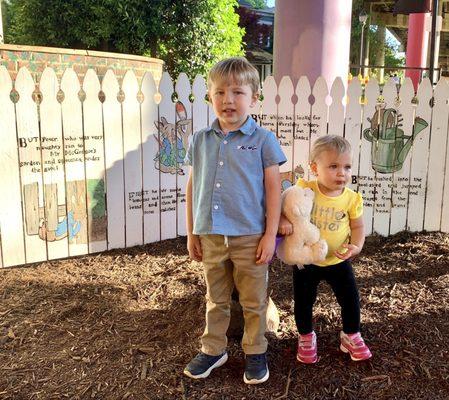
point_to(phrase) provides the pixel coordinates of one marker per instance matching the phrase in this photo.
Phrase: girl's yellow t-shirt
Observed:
(331, 216)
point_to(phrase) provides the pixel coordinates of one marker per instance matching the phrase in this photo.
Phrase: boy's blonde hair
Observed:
(329, 142)
(234, 69)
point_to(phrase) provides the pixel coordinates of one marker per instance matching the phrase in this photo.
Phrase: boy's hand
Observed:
(285, 226)
(265, 250)
(194, 247)
(353, 250)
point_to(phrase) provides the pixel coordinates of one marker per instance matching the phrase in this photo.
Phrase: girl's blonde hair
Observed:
(329, 142)
(234, 69)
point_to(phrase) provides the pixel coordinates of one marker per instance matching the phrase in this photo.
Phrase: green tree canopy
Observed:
(189, 35)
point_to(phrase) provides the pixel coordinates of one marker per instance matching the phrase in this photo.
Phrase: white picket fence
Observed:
(98, 166)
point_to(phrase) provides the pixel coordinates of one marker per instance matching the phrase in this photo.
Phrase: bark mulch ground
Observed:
(122, 325)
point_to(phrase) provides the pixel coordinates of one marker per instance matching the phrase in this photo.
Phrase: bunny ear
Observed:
(181, 110)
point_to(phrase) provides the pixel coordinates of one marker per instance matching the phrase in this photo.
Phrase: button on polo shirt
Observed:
(228, 196)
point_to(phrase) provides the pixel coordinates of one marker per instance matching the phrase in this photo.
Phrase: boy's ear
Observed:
(255, 98)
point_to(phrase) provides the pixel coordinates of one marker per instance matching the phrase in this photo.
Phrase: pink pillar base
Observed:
(416, 55)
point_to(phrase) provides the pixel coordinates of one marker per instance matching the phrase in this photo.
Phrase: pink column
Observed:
(312, 39)
(417, 40)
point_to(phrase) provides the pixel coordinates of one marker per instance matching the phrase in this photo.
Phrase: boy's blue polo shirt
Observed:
(228, 195)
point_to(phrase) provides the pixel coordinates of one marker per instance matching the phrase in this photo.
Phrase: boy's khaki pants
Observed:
(227, 261)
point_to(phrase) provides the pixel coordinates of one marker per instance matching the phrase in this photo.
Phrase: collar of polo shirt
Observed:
(247, 128)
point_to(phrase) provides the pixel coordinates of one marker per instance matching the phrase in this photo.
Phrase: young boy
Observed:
(233, 209)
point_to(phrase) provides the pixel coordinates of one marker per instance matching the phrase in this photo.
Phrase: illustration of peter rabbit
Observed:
(173, 142)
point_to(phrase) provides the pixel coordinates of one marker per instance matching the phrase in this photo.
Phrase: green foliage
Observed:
(189, 35)
(258, 3)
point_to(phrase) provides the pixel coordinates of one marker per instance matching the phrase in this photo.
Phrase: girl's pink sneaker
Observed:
(307, 348)
(354, 345)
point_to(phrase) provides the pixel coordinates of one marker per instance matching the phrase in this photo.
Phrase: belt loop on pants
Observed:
(226, 241)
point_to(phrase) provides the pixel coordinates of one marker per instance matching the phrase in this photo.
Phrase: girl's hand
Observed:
(353, 250)
(265, 250)
(285, 226)
(194, 247)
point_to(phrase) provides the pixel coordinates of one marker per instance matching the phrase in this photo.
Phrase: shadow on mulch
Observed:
(123, 324)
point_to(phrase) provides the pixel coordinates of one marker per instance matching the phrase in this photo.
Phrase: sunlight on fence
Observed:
(96, 166)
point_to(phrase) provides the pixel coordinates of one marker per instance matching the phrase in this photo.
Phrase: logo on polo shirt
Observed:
(246, 147)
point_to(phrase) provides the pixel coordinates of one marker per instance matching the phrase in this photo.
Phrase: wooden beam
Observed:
(399, 21)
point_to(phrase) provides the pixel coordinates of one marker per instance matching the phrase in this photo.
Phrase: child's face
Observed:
(333, 171)
(231, 103)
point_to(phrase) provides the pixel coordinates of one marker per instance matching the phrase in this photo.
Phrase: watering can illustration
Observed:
(390, 146)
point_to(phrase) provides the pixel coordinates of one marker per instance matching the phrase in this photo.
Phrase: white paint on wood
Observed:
(437, 157)
(30, 162)
(113, 142)
(302, 141)
(133, 161)
(72, 122)
(367, 184)
(420, 158)
(150, 162)
(167, 155)
(11, 222)
(337, 109)
(320, 109)
(404, 138)
(95, 163)
(183, 131)
(55, 227)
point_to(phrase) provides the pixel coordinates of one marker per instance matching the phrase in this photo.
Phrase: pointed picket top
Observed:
(441, 91)
(337, 109)
(149, 85)
(5, 81)
(182, 84)
(407, 90)
(199, 88)
(319, 115)
(286, 89)
(49, 84)
(24, 83)
(70, 82)
(320, 89)
(166, 89)
(424, 89)
(303, 89)
(91, 85)
(268, 111)
(390, 93)
(110, 86)
(354, 92)
(130, 86)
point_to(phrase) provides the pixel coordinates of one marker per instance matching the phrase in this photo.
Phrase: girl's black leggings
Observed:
(341, 279)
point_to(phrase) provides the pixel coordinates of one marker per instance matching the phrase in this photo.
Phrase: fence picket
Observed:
(113, 142)
(55, 227)
(337, 109)
(367, 185)
(95, 163)
(150, 162)
(419, 159)
(401, 177)
(76, 194)
(353, 127)
(11, 223)
(301, 144)
(132, 151)
(318, 122)
(168, 155)
(267, 117)
(183, 131)
(31, 167)
(285, 129)
(436, 168)
(380, 162)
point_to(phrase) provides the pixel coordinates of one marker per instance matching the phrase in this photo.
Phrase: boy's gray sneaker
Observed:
(202, 365)
(256, 369)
